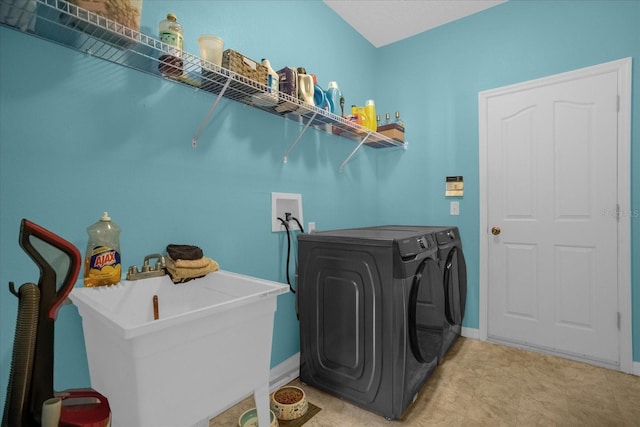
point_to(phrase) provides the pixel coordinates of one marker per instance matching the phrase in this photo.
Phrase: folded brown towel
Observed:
(182, 274)
(189, 263)
(186, 252)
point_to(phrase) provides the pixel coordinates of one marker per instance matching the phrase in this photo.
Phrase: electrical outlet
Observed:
(454, 208)
(283, 204)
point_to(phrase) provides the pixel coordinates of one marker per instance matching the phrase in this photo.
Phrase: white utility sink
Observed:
(209, 348)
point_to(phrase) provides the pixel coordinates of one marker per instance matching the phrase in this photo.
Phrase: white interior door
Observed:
(551, 211)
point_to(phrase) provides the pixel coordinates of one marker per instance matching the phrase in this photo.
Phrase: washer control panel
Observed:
(412, 246)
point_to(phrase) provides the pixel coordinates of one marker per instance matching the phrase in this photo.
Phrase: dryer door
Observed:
(455, 286)
(426, 312)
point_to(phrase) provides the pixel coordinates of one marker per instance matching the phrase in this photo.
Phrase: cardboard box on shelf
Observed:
(393, 131)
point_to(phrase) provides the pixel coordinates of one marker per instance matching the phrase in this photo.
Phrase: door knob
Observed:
(495, 230)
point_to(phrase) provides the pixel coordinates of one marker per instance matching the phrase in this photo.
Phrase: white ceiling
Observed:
(386, 21)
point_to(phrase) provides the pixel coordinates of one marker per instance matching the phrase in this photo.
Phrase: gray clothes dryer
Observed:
(454, 269)
(371, 309)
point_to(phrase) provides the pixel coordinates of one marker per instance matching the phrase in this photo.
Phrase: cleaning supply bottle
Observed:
(333, 96)
(357, 115)
(370, 112)
(270, 98)
(319, 95)
(170, 32)
(102, 259)
(305, 86)
(273, 81)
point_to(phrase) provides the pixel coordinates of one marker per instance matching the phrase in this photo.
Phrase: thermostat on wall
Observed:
(454, 186)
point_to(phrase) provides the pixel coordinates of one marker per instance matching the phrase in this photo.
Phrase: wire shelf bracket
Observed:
(194, 141)
(304, 129)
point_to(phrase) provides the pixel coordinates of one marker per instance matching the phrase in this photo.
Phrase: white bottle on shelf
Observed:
(270, 98)
(305, 86)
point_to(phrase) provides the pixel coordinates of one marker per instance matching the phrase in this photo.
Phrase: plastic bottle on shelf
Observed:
(273, 81)
(319, 95)
(387, 119)
(399, 121)
(102, 258)
(305, 86)
(357, 115)
(353, 117)
(370, 113)
(270, 98)
(171, 33)
(333, 96)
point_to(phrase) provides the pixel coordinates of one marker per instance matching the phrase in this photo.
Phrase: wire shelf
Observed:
(69, 25)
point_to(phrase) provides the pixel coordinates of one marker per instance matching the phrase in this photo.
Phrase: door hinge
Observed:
(618, 212)
(619, 320)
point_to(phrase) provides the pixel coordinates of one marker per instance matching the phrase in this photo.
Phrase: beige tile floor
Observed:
(484, 384)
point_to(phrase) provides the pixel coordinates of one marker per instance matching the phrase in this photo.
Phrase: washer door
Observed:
(426, 312)
(455, 286)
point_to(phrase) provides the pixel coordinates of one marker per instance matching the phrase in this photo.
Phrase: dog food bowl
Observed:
(249, 418)
(289, 403)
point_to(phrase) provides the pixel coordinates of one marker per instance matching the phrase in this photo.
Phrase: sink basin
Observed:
(209, 348)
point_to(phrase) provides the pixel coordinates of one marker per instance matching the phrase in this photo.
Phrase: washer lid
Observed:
(410, 240)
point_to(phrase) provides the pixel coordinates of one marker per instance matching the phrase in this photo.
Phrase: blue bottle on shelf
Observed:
(333, 96)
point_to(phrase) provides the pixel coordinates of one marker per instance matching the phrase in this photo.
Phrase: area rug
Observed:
(313, 409)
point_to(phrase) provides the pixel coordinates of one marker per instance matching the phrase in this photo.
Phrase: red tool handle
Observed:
(32, 229)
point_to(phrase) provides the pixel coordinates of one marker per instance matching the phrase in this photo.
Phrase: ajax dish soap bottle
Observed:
(102, 260)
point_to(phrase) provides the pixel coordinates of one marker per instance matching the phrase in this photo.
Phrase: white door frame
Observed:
(623, 68)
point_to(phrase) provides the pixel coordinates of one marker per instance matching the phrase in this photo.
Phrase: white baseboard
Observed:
(470, 332)
(285, 372)
(279, 375)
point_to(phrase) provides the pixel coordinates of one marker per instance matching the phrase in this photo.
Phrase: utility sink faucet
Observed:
(157, 270)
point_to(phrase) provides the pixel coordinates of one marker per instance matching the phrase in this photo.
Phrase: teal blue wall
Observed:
(79, 136)
(436, 77)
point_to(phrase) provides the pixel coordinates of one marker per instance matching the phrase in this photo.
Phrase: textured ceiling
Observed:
(386, 21)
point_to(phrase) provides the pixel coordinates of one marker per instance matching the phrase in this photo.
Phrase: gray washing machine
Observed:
(454, 276)
(371, 309)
